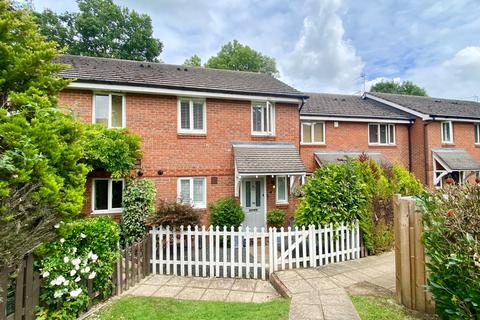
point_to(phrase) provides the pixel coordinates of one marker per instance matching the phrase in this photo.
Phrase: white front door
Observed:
(253, 202)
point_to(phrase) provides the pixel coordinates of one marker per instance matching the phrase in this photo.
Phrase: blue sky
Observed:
(326, 45)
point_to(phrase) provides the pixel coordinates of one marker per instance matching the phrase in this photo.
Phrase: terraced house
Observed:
(208, 134)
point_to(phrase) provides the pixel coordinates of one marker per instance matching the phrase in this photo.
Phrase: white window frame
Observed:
(476, 127)
(450, 128)
(270, 120)
(203, 205)
(109, 195)
(312, 124)
(379, 143)
(124, 108)
(179, 115)
(277, 200)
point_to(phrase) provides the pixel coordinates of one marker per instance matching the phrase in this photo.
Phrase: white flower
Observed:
(65, 283)
(62, 240)
(76, 261)
(83, 236)
(77, 267)
(74, 250)
(59, 280)
(45, 274)
(56, 226)
(57, 294)
(92, 275)
(53, 282)
(65, 259)
(77, 279)
(73, 272)
(94, 257)
(89, 255)
(87, 269)
(75, 293)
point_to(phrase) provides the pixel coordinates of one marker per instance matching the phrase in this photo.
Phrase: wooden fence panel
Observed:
(410, 271)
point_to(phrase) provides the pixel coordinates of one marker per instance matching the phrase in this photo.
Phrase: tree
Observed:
(406, 87)
(193, 61)
(102, 28)
(236, 56)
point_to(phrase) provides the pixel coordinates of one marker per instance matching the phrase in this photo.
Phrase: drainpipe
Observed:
(425, 148)
(410, 153)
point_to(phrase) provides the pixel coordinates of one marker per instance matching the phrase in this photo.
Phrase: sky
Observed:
(335, 46)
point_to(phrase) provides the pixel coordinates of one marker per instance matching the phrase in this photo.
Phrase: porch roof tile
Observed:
(457, 159)
(338, 156)
(267, 158)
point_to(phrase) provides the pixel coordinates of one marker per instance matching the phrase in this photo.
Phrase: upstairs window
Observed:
(381, 134)
(192, 116)
(107, 195)
(447, 132)
(109, 110)
(193, 191)
(263, 118)
(313, 133)
(477, 133)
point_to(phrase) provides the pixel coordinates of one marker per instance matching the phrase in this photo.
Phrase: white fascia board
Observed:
(175, 92)
(456, 119)
(397, 106)
(349, 119)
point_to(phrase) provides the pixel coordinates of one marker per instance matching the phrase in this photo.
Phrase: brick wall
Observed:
(354, 136)
(154, 118)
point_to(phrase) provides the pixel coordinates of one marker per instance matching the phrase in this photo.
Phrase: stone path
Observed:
(213, 289)
(322, 293)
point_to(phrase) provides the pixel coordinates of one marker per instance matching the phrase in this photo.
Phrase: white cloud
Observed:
(456, 77)
(323, 60)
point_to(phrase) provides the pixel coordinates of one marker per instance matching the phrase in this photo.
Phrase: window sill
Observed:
(259, 134)
(382, 145)
(477, 145)
(281, 204)
(184, 135)
(313, 144)
(106, 212)
(448, 143)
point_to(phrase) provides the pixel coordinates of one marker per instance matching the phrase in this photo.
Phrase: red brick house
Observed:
(445, 138)
(206, 134)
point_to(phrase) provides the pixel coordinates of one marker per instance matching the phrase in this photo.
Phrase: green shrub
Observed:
(276, 218)
(405, 182)
(452, 243)
(138, 204)
(174, 214)
(333, 194)
(226, 212)
(86, 249)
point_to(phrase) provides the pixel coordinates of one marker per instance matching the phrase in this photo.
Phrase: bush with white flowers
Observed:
(85, 250)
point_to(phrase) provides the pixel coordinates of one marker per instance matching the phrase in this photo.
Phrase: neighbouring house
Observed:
(206, 133)
(336, 126)
(445, 137)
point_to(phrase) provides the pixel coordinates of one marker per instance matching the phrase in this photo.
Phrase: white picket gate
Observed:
(247, 253)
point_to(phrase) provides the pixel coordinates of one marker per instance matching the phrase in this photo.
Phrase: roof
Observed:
(435, 107)
(456, 159)
(267, 158)
(353, 106)
(339, 156)
(168, 76)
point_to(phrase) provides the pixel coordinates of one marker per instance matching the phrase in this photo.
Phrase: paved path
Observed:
(213, 289)
(322, 293)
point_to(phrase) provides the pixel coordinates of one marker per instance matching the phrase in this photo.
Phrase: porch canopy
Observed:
(339, 156)
(447, 160)
(266, 158)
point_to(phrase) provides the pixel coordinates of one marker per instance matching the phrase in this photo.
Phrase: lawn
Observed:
(162, 308)
(375, 308)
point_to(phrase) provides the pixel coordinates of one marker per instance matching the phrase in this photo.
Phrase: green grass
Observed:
(162, 308)
(375, 308)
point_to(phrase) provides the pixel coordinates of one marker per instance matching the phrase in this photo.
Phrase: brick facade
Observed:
(354, 136)
(154, 118)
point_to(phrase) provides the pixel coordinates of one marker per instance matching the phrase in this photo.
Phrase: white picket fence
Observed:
(247, 253)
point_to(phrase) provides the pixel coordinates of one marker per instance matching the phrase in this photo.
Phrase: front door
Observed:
(253, 202)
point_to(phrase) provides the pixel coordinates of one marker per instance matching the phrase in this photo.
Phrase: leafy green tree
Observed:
(406, 87)
(193, 61)
(102, 28)
(236, 56)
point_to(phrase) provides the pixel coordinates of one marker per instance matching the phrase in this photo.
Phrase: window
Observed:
(109, 110)
(263, 118)
(447, 132)
(281, 189)
(192, 117)
(193, 191)
(381, 134)
(107, 195)
(477, 133)
(313, 133)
